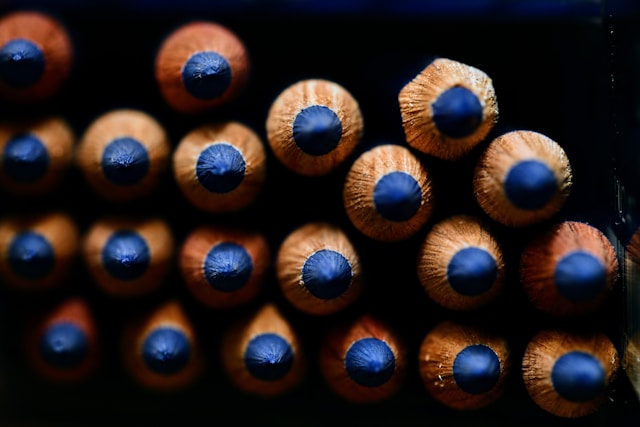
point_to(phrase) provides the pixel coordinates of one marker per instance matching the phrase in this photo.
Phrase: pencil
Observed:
(224, 267)
(461, 264)
(161, 350)
(123, 153)
(220, 167)
(388, 193)
(522, 178)
(363, 360)
(36, 56)
(630, 360)
(128, 256)
(36, 153)
(569, 373)
(448, 109)
(63, 345)
(569, 269)
(262, 355)
(313, 126)
(38, 251)
(318, 269)
(200, 66)
(464, 366)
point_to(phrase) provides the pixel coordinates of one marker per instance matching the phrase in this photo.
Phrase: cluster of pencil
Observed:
(390, 196)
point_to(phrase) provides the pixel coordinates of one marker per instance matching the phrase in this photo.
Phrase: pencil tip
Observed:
(166, 351)
(22, 63)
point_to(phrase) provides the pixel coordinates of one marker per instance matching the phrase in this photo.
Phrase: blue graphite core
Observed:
(64, 346)
(530, 184)
(317, 130)
(126, 255)
(397, 196)
(476, 369)
(370, 362)
(268, 357)
(227, 267)
(220, 168)
(166, 351)
(327, 274)
(457, 112)
(578, 376)
(31, 255)
(125, 161)
(206, 75)
(580, 276)
(22, 63)
(25, 158)
(472, 271)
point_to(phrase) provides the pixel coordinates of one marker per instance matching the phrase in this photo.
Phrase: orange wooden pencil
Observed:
(460, 264)
(161, 350)
(201, 65)
(388, 193)
(38, 251)
(522, 178)
(464, 366)
(36, 56)
(448, 109)
(128, 256)
(313, 126)
(569, 373)
(363, 360)
(318, 269)
(262, 354)
(224, 267)
(64, 346)
(123, 153)
(220, 167)
(569, 269)
(36, 155)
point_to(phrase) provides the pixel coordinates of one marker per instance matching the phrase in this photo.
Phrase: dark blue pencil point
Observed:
(206, 75)
(370, 362)
(317, 130)
(397, 196)
(327, 274)
(126, 255)
(64, 346)
(31, 255)
(22, 63)
(472, 271)
(228, 267)
(476, 369)
(530, 184)
(220, 168)
(166, 351)
(125, 161)
(25, 158)
(580, 276)
(578, 376)
(457, 112)
(268, 357)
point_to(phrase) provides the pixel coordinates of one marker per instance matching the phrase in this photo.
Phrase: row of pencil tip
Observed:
(198, 66)
(522, 177)
(568, 271)
(362, 359)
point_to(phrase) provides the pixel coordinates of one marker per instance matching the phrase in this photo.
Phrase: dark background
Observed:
(567, 69)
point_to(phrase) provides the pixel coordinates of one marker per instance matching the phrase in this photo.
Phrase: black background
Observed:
(551, 73)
